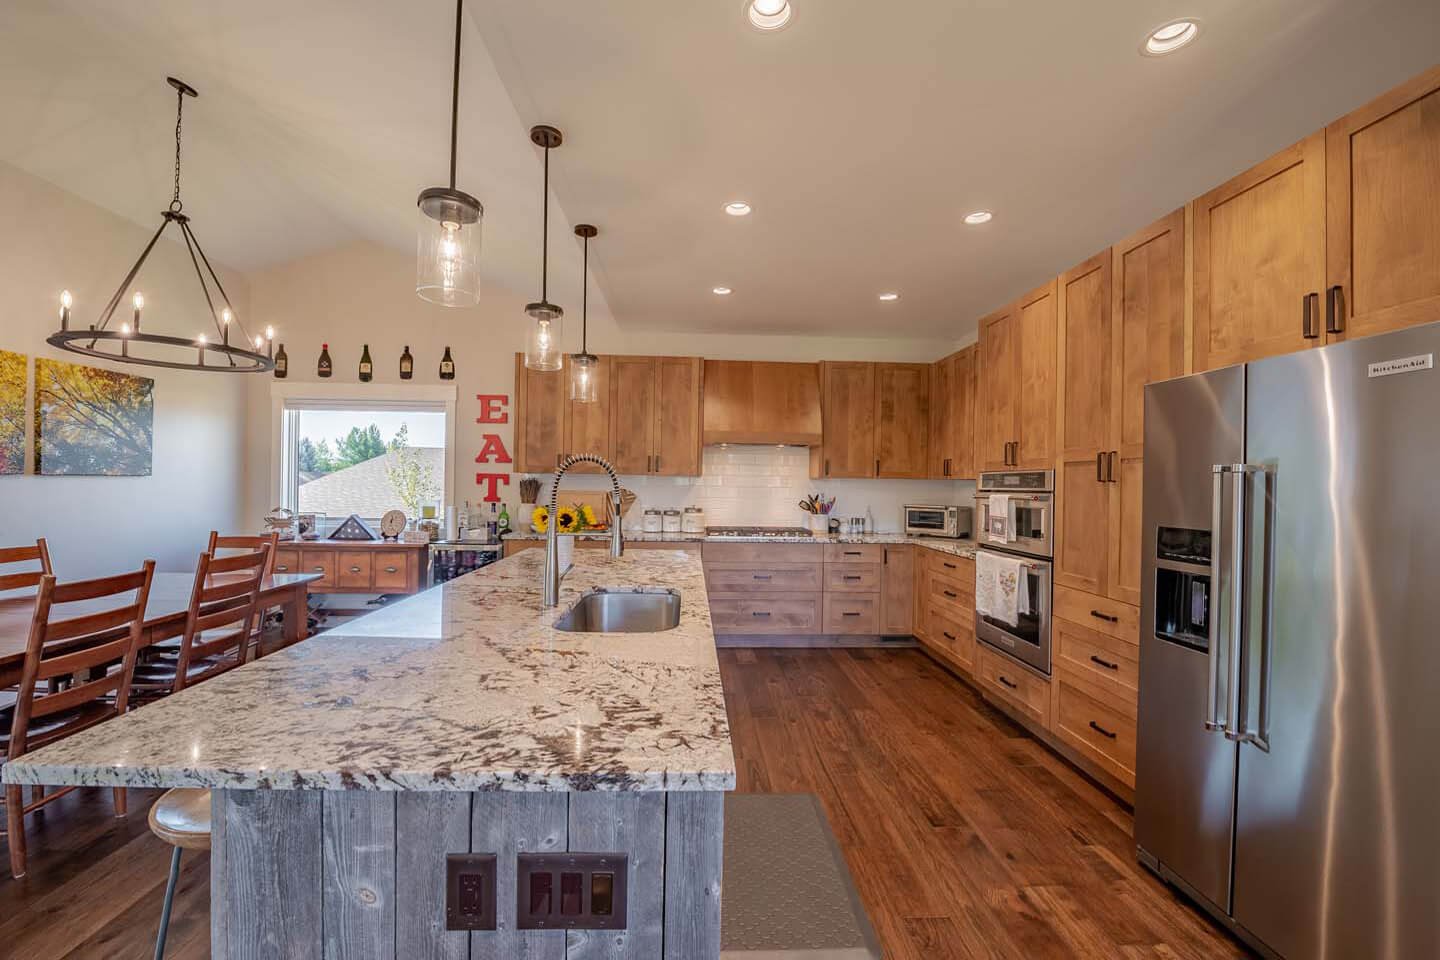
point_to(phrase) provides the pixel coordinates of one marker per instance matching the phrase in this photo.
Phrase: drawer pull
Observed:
(948, 566)
(354, 569)
(1104, 616)
(281, 567)
(1101, 730)
(852, 576)
(318, 570)
(761, 576)
(760, 613)
(947, 634)
(1005, 680)
(951, 594)
(853, 553)
(850, 613)
(392, 569)
(1104, 663)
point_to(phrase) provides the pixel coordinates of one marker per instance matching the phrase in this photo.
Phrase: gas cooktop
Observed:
(756, 532)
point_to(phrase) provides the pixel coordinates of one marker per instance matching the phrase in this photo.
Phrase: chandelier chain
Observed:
(175, 203)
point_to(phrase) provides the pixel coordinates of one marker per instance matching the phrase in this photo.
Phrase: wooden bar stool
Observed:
(218, 625)
(181, 818)
(96, 650)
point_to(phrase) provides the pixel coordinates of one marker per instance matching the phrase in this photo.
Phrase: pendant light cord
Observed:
(585, 302)
(455, 93)
(545, 234)
(175, 204)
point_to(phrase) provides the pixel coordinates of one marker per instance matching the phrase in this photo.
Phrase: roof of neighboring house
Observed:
(364, 488)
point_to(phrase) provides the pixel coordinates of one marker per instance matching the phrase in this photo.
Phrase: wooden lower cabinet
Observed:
(1098, 724)
(1004, 678)
(953, 636)
(852, 613)
(766, 614)
(897, 589)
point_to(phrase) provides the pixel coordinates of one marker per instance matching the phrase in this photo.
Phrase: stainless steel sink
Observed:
(622, 612)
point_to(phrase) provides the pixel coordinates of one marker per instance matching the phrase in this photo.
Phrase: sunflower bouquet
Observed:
(571, 518)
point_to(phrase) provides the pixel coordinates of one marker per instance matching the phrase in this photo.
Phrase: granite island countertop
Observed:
(467, 686)
(957, 548)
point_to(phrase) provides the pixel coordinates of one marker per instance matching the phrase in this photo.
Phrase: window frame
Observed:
(288, 398)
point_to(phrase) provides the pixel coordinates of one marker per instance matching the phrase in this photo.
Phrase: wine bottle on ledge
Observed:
(367, 367)
(282, 364)
(447, 366)
(325, 367)
(407, 364)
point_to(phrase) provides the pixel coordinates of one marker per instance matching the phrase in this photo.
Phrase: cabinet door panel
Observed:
(1083, 532)
(941, 433)
(678, 416)
(1035, 400)
(1259, 251)
(848, 408)
(540, 418)
(962, 414)
(902, 419)
(1383, 223)
(587, 425)
(999, 370)
(632, 416)
(897, 591)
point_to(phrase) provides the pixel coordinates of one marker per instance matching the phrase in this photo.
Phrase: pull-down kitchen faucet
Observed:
(551, 587)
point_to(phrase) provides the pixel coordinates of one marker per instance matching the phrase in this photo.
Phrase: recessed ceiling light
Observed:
(979, 217)
(1170, 37)
(768, 14)
(738, 208)
(889, 297)
(722, 291)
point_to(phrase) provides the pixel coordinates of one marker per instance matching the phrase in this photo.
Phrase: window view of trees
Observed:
(349, 467)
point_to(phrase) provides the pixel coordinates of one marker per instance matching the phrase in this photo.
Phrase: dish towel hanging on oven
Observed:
(997, 526)
(1001, 589)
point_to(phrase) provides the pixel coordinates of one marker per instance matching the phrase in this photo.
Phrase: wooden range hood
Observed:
(751, 401)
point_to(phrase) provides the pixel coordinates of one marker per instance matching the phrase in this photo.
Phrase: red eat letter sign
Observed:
(491, 480)
(493, 447)
(491, 405)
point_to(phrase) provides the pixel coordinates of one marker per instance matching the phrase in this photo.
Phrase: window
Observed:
(348, 454)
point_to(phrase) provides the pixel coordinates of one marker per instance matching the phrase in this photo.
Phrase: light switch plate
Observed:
(470, 891)
(571, 891)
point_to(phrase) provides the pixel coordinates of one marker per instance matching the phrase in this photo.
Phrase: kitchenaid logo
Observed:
(1386, 368)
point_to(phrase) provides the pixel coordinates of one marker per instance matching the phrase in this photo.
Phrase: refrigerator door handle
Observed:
(1213, 720)
(1259, 617)
(1235, 612)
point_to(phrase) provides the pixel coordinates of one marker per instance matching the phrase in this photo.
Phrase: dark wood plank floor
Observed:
(966, 837)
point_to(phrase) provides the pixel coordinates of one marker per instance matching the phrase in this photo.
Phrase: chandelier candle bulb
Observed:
(138, 302)
(65, 303)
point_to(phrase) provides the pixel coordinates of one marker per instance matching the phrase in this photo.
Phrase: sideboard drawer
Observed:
(321, 562)
(288, 561)
(389, 570)
(352, 569)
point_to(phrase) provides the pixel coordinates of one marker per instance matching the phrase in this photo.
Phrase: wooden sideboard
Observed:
(351, 566)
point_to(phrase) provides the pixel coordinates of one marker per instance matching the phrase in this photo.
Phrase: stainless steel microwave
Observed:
(922, 520)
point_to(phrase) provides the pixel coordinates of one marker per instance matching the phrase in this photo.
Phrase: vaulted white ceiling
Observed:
(861, 133)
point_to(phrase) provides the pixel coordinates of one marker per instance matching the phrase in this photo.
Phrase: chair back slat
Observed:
(78, 659)
(225, 590)
(233, 601)
(20, 580)
(89, 624)
(248, 544)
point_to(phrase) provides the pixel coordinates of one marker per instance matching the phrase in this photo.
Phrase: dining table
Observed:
(165, 613)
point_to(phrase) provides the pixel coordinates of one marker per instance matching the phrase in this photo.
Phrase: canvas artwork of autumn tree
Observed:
(91, 422)
(12, 412)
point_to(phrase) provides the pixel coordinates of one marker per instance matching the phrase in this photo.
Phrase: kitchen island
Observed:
(460, 720)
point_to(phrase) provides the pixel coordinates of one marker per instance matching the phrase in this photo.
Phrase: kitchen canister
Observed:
(693, 521)
(670, 522)
(651, 522)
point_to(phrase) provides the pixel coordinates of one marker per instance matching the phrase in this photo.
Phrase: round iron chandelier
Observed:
(129, 343)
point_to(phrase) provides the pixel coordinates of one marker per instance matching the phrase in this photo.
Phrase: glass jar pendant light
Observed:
(584, 366)
(447, 249)
(542, 346)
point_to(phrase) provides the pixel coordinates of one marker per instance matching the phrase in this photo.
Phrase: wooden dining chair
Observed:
(218, 625)
(24, 579)
(96, 652)
(248, 544)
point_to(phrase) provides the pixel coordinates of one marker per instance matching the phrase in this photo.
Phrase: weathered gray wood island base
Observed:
(346, 768)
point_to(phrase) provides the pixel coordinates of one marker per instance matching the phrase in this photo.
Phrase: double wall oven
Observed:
(1021, 526)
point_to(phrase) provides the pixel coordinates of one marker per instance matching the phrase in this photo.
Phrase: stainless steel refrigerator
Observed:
(1288, 768)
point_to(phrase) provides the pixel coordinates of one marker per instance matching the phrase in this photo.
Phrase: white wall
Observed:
(365, 294)
(52, 240)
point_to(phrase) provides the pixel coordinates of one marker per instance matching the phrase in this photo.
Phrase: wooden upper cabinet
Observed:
(587, 425)
(678, 416)
(995, 414)
(952, 415)
(1034, 401)
(938, 458)
(540, 418)
(1382, 235)
(762, 402)
(847, 398)
(632, 413)
(1259, 254)
(902, 419)
(1084, 420)
(1148, 318)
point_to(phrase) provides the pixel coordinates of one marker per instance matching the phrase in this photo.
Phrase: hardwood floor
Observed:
(966, 837)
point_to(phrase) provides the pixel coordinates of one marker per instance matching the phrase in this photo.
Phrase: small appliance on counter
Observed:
(693, 520)
(932, 520)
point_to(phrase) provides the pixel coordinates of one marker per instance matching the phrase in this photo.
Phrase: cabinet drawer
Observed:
(852, 613)
(1105, 615)
(390, 570)
(951, 597)
(1109, 663)
(777, 613)
(951, 635)
(352, 569)
(761, 554)
(321, 562)
(1009, 681)
(852, 577)
(957, 572)
(1100, 729)
(723, 578)
(854, 552)
(288, 561)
